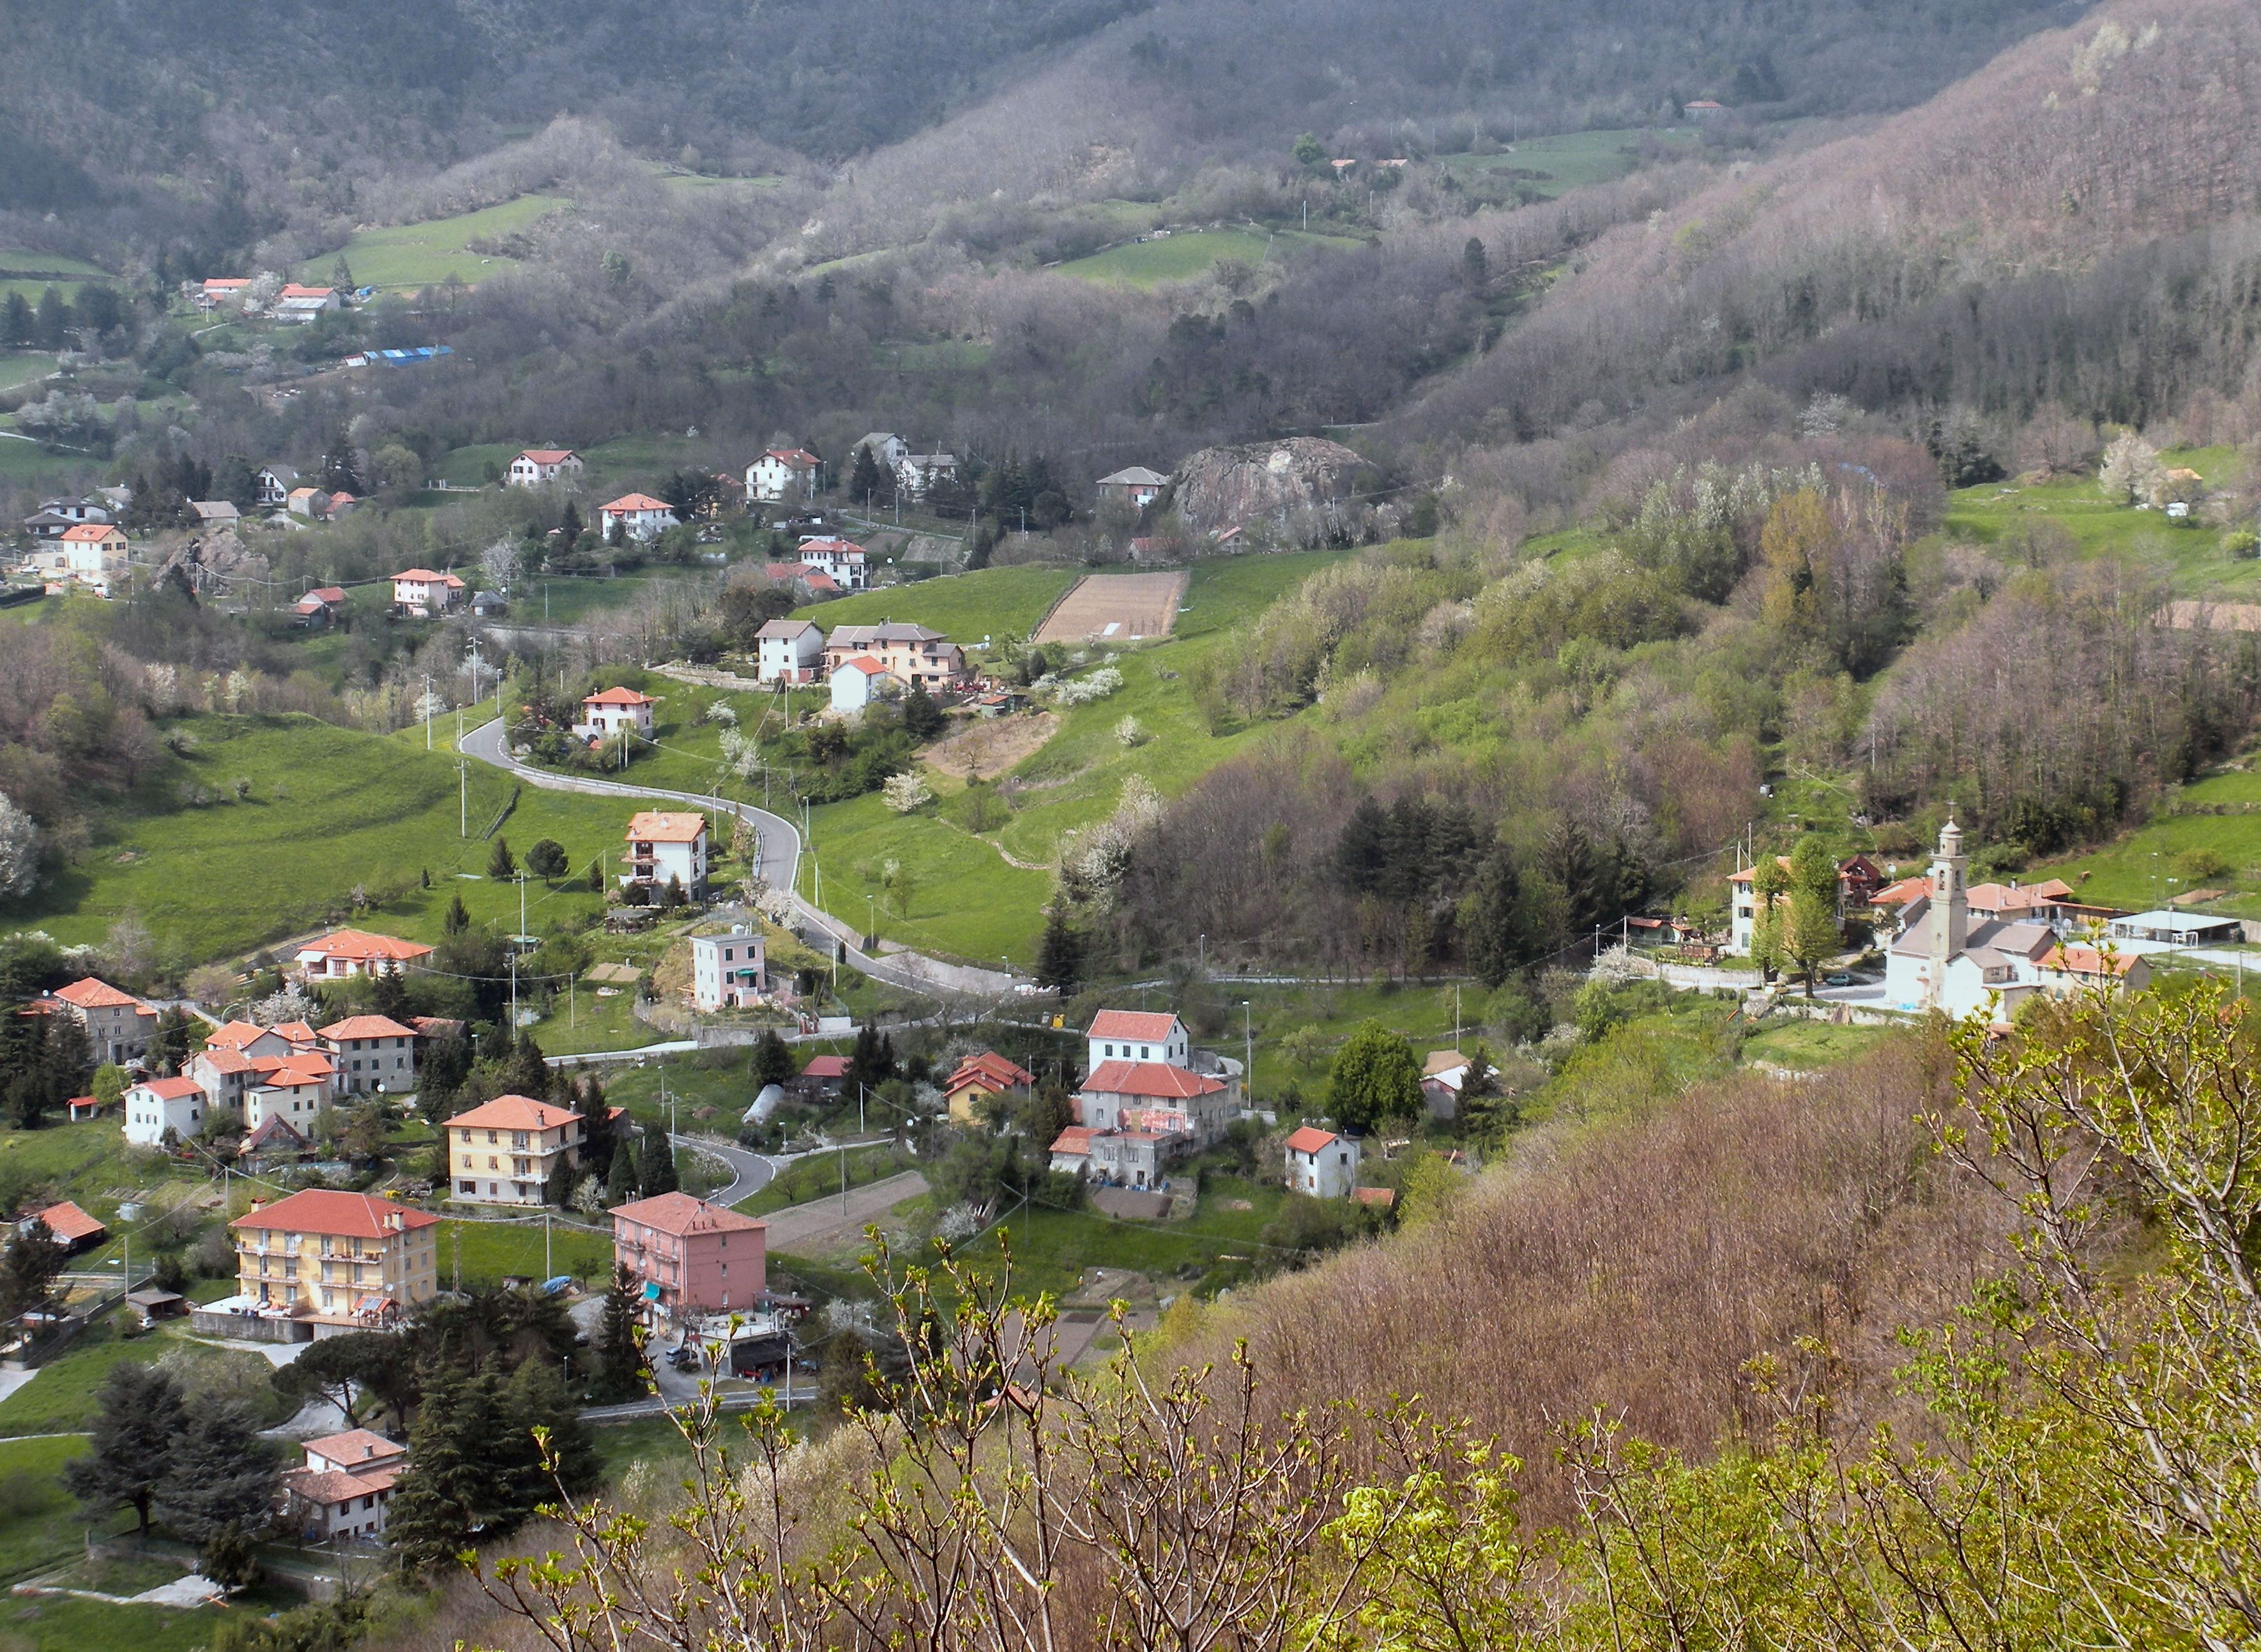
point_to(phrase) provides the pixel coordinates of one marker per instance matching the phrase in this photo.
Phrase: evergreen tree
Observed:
(1361, 857)
(524, 1070)
(134, 1432)
(50, 326)
(169, 1045)
(1500, 937)
(502, 865)
(221, 1475)
(619, 1355)
(536, 1397)
(620, 1179)
(457, 918)
(16, 325)
(865, 482)
(1059, 956)
(1376, 1078)
(388, 995)
(871, 1062)
(923, 719)
(440, 1072)
(773, 1061)
(657, 1173)
(569, 526)
(341, 466)
(558, 1189)
(432, 1517)
(29, 1268)
(1476, 271)
(546, 859)
(598, 1138)
(597, 876)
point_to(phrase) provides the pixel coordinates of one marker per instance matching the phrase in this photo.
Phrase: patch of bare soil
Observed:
(989, 746)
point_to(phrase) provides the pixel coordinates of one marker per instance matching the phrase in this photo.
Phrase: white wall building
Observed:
(665, 847)
(917, 475)
(856, 683)
(158, 1104)
(421, 592)
(1322, 1164)
(782, 475)
(728, 972)
(614, 709)
(544, 468)
(889, 450)
(638, 516)
(1137, 1035)
(788, 651)
(847, 561)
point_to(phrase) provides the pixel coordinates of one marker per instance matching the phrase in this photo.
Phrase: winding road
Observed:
(780, 855)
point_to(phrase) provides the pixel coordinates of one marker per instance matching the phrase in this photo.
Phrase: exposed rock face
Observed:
(1295, 489)
(218, 562)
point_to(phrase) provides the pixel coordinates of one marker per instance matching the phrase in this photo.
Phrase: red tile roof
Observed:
(90, 994)
(681, 1214)
(1074, 1139)
(514, 1112)
(171, 1089)
(70, 1224)
(356, 1445)
(865, 664)
(1384, 1196)
(792, 456)
(91, 533)
(368, 1027)
(2084, 960)
(1310, 1138)
(636, 501)
(658, 826)
(826, 1066)
(547, 455)
(320, 1210)
(1153, 1027)
(619, 696)
(359, 944)
(1149, 1078)
(989, 1068)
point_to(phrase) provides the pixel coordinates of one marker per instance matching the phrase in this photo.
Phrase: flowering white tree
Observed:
(499, 563)
(1130, 732)
(905, 792)
(19, 850)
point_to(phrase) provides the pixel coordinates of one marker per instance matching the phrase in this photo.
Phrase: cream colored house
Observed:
(502, 1153)
(342, 1259)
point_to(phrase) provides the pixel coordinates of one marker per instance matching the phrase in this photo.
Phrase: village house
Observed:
(275, 483)
(980, 1079)
(822, 1078)
(1162, 1096)
(218, 290)
(727, 971)
(858, 682)
(371, 1053)
(1704, 109)
(846, 563)
(1859, 883)
(1137, 1035)
(93, 554)
(790, 651)
(1113, 1158)
(302, 304)
(71, 1227)
(918, 474)
(690, 1257)
(352, 951)
(784, 474)
(342, 1493)
(666, 846)
(889, 450)
(215, 513)
(421, 593)
(614, 711)
(1945, 961)
(1443, 1076)
(294, 1091)
(118, 1025)
(502, 1153)
(324, 1258)
(157, 1106)
(637, 515)
(324, 605)
(1134, 489)
(308, 503)
(1322, 1164)
(913, 655)
(544, 468)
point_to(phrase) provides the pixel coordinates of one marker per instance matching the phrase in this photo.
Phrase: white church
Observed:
(1942, 960)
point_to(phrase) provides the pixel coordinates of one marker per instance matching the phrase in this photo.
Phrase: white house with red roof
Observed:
(666, 845)
(370, 1053)
(784, 474)
(848, 562)
(118, 1025)
(611, 710)
(1322, 1164)
(423, 592)
(342, 1493)
(788, 651)
(1137, 1035)
(638, 516)
(544, 468)
(352, 951)
(302, 304)
(503, 1152)
(859, 681)
(156, 1105)
(324, 605)
(93, 554)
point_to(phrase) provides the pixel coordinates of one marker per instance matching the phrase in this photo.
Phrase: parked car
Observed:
(1837, 981)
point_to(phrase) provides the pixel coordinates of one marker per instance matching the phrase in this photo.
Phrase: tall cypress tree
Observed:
(1059, 956)
(537, 1399)
(620, 1179)
(619, 1357)
(658, 1174)
(134, 1432)
(220, 1475)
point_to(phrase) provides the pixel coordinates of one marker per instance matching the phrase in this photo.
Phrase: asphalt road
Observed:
(753, 1171)
(780, 866)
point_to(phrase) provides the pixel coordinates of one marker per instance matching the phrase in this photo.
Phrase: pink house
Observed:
(692, 1257)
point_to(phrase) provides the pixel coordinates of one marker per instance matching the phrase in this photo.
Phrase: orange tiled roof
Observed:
(618, 696)
(514, 1112)
(368, 1027)
(1151, 1027)
(70, 1224)
(1148, 1078)
(680, 1213)
(362, 945)
(1310, 1139)
(637, 502)
(90, 994)
(658, 826)
(320, 1210)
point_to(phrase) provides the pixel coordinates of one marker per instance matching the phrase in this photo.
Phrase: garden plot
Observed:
(1117, 608)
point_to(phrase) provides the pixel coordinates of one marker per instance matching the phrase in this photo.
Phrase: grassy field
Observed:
(423, 254)
(995, 602)
(488, 1252)
(1803, 1046)
(327, 810)
(819, 1177)
(20, 263)
(1994, 514)
(2143, 868)
(1189, 254)
(1552, 166)
(21, 367)
(64, 1397)
(966, 899)
(39, 1523)
(1052, 1248)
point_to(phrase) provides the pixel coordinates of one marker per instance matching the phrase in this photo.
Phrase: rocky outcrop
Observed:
(1301, 489)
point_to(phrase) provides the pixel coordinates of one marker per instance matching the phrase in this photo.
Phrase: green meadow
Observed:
(1190, 253)
(422, 254)
(1568, 161)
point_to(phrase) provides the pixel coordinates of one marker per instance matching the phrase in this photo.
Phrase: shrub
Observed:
(907, 791)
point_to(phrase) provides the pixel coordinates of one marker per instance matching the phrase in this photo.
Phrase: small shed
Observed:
(151, 1305)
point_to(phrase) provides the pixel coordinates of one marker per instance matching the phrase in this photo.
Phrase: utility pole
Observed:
(548, 1270)
(427, 711)
(843, 1180)
(464, 788)
(1248, 1052)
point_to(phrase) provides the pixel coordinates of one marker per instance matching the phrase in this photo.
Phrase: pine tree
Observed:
(502, 865)
(597, 877)
(866, 484)
(459, 1485)
(221, 1475)
(1363, 852)
(29, 1268)
(524, 1072)
(16, 325)
(598, 1138)
(1059, 956)
(569, 526)
(558, 1189)
(440, 1072)
(1500, 938)
(134, 1432)
(620, 1180)
(457, 918)
(619, 1355)
(388, 995)
(657, 1173)
(537, 1399)
(772, 1061)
